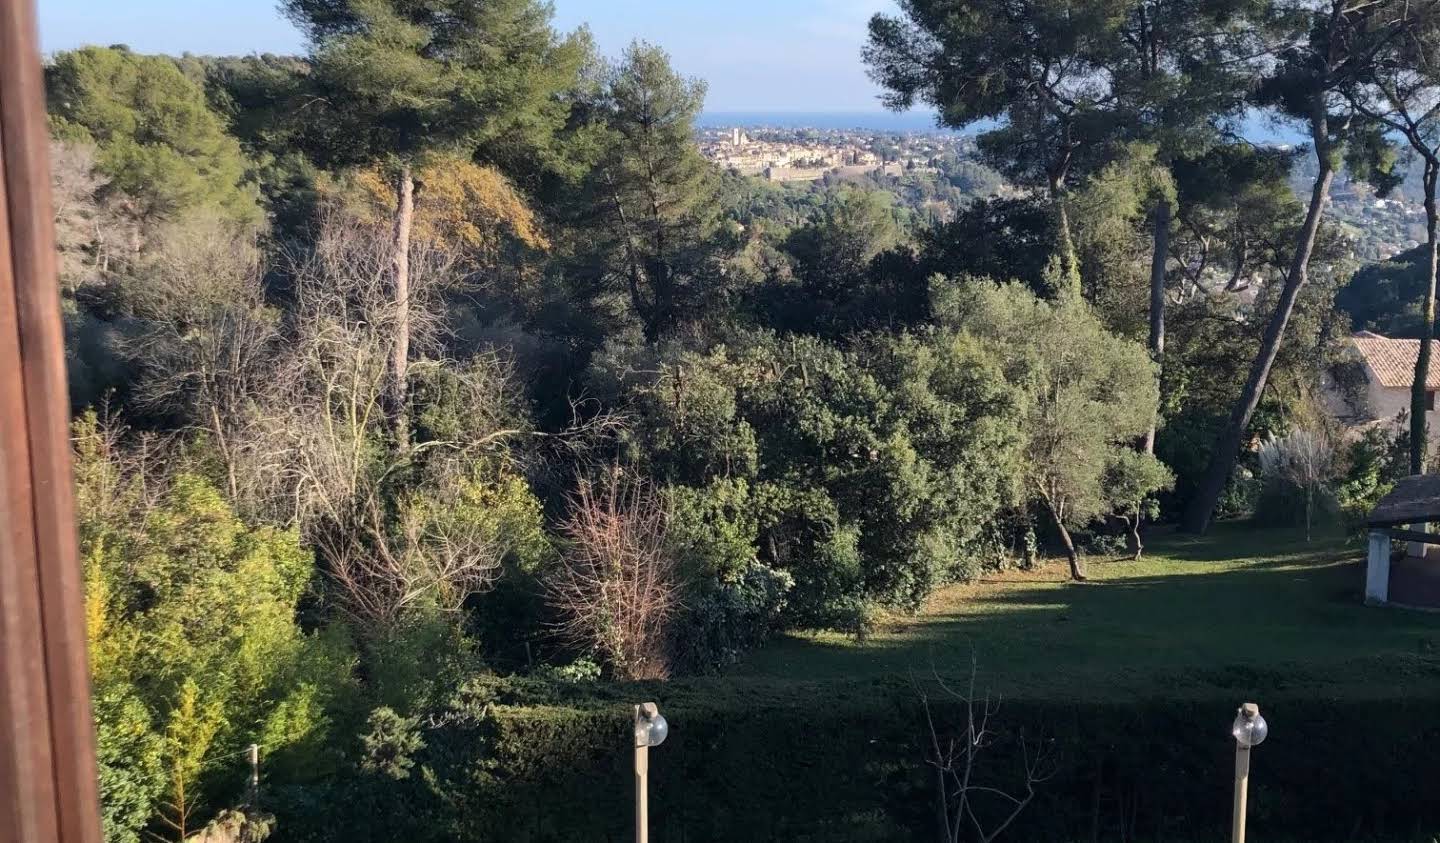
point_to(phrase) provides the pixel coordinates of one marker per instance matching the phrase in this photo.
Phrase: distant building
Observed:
(1387, 370)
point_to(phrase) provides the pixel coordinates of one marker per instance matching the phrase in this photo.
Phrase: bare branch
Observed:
(617, 586)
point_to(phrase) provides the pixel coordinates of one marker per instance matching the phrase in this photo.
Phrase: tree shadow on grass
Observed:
(1240, 540)
(1285, 621)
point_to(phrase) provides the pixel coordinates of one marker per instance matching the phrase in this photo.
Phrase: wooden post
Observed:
(48, 786)
(642, 771)
(1377, 568)
(1242, 786)
(1249, 729)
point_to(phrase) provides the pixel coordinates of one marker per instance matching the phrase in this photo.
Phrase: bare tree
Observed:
(422, 554)
(966, 807)
(75, 184)
(296, 405)
(389, 522)
(94, 224)
(210, 344)
(120, 474)
(617, 586)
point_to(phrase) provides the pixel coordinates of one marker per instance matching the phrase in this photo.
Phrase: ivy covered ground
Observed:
(1245, 609)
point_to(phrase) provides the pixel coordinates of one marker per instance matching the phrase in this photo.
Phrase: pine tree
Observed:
(1037, 67)
(1314, 65)
(652, 193)
(1399, 90)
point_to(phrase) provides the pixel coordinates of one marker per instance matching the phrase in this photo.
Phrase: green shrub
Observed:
(1373, 464)
(526, 762)
(868, 473)
(195, 647)
(583, 669)
(723, 619)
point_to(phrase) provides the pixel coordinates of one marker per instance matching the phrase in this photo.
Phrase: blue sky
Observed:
(757, 55)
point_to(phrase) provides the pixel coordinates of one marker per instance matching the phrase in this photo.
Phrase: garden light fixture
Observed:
(651, 729)
(1249, 730)
(650, 726)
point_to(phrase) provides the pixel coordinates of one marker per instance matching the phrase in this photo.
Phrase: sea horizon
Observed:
(880, 120)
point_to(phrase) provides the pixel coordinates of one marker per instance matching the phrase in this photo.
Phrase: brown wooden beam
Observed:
(48, 788)
(27, 800)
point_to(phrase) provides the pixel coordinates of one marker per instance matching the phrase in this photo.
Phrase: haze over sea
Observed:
(1254, 127)
(882, 121)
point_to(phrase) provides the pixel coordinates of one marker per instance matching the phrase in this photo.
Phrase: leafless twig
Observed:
(616, 588)
(967, 807)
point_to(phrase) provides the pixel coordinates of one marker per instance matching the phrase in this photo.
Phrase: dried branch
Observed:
(954, 760)
(616, 588)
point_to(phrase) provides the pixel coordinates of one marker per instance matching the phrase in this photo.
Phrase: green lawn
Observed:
(1243, 609)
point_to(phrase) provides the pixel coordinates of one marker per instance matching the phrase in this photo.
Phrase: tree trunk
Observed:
(1076, 572)
(1139, 547)
(1069, 264)
(1069, 281)
(1309, 508)
(1227, 444)
(232, 484)
(662, 314)
(942, 806)
(396, 393)
(1419, 407)
(1157, 298)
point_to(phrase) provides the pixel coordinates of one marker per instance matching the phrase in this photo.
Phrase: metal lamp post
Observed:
(650, 730)
(1249, 730)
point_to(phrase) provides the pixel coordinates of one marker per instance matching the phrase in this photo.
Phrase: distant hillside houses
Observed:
(808, 156)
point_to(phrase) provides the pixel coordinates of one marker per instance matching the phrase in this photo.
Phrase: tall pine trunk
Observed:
(1069, 281)
(1419, 406)
(1068, 268)
(397, 390)
(1227, 444)
(1157, 298)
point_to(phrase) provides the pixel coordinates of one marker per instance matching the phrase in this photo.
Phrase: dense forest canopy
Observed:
(441, 352)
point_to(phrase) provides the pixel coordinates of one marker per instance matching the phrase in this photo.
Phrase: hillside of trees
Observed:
(440, 353)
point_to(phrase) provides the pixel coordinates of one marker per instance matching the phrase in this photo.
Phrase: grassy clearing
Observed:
(1243, 609)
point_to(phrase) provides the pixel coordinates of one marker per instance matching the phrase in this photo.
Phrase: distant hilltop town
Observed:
(808, 154)
(1375, 227)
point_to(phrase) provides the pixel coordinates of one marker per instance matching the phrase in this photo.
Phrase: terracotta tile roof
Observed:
(1392, 361)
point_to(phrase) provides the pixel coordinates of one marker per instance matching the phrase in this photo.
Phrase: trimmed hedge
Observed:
(847, 763)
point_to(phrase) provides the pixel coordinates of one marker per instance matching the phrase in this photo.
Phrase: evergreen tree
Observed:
(1075, 88)
(1182, 79)
(1034, 66)
(157, 139)
(1314, 65)
(1084, 397)
(1399, 89)
(834, 259)
(652, 198)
